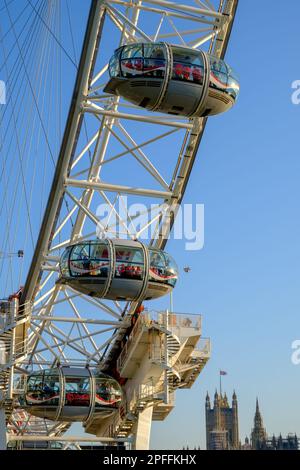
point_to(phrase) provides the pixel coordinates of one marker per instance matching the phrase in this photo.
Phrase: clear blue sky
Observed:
(245, 281)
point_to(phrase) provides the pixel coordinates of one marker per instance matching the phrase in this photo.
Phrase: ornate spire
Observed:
(207, 402)
(225, 401)
(258, 421)
(259, 434)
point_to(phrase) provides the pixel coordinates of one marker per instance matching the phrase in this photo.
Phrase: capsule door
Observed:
(187, 81)
(77, 394)
(129, 274)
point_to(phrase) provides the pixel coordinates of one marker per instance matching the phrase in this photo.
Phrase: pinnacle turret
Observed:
(259, 434)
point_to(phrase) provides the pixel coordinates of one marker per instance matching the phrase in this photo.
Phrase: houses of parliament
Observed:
(222, 428)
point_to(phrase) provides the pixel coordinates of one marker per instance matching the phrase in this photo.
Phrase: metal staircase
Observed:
(173, 347)
(167, 344)
(4, 381)
(12, 351)
(173, 343)
(125, 420)
(173, 378)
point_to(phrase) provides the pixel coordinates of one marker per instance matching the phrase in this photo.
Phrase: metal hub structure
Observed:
(49, 324)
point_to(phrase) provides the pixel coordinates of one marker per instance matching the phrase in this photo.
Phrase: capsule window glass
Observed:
(34, 393)
(64, 263)
(233, 87)
(171, 270)
(162, 268)
(187, 66)
(77, 391)
(219, 81)
(154, 61)
(132, 51)
(43, 389)
(187, 56)
(114, 65)
(154, 68)
(132, 61)
(108, 393)
(51, 387)
(99, 260)
(218, 74)
(129, 263)
(218, 65)
(223, 78)
(115, 390)
(80, 260)
(157, 266)
(154, 51)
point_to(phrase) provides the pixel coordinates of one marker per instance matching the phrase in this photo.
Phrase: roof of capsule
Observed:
(160, 43)
(71, 371)
(104, 241)
(115, 241)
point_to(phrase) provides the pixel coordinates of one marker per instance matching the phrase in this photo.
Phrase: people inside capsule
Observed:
(43, 388)
(172, 79)
(118, 270)
(70, 394)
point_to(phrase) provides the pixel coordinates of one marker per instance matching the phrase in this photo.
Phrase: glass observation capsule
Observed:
(71, 394)
(172, 79)
(118, 270)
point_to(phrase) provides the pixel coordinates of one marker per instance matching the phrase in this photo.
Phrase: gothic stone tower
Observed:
(222, 429)
(258, 435)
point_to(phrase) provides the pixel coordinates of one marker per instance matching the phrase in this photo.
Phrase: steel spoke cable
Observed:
(33, 94)
(37, 108)
(3, 8)
(45, 59)
(28, 78)
(13, 83)
(9, 231)
(24, 95)
(30, 16)
(21, 93)
(75, 58)
(58, 112)
(55, 38)
(14, 200)
(17, 78)
(15, 21)
(47, 106)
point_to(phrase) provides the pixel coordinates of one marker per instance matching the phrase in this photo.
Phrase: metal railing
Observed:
(10, 316)
(203, 348)
(181, 325)
(9, 353)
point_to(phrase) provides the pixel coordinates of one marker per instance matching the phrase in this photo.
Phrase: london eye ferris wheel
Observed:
(81, 340)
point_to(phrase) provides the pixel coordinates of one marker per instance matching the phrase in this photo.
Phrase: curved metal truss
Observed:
(110, 157)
